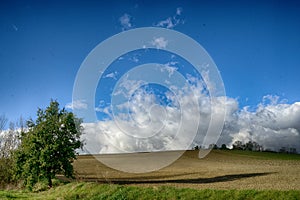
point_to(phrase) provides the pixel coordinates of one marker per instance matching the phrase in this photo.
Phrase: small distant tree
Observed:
(257, 147)
(49, 146)
(238, 145)
(293, 150)
(213, 146)
(282, 150)
(249, 146)
(224, 147)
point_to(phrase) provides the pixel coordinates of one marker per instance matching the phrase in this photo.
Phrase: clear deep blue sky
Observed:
(255, 44)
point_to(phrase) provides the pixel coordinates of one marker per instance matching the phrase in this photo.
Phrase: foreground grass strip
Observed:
(105, 191)
(13, 194)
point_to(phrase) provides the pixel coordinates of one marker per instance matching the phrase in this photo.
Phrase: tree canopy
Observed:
(49, 145)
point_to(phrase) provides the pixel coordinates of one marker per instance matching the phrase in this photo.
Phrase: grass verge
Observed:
(83, 190)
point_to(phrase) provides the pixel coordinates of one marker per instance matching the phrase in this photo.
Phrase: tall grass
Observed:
(91, 191)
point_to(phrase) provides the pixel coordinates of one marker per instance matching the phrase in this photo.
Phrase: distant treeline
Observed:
(249, 146)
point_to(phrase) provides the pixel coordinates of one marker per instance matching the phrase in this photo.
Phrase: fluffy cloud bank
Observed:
(148, 123)
(272, 124)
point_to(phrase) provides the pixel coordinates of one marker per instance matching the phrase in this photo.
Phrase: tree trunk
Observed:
(49, 182)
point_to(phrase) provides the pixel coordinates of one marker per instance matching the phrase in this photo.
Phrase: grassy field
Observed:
(220, 175)
(87, 191)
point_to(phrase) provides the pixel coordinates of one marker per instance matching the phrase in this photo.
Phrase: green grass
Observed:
(91, 191)
(13, 194)
(264, 155)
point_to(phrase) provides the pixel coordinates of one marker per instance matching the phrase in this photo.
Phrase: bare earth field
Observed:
(219, 170)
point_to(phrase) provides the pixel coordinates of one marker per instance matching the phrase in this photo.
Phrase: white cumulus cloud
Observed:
(78, 104)
(153, 127)
(143, 123)
(141, 120)
(273, 125)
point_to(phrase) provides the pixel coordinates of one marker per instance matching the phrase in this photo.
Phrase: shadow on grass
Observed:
(225, 178)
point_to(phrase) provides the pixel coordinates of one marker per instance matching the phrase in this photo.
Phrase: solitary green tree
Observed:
(49, 146)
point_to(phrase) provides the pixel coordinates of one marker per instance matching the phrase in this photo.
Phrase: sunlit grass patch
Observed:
(109, 191)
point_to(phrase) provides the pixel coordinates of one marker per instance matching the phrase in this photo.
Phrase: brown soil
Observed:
(218, 170)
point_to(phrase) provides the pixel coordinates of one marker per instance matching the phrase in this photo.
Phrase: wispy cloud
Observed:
(125, 21)
(173, 21)
(134, 59)
(128, 86)
(159, 43)
(170, 67)
(78, 104)
(15, 27)
(178, 11)
(112, 75)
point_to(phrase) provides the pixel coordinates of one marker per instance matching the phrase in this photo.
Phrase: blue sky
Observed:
(255, 45)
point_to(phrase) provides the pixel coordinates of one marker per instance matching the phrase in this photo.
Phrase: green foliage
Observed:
(105, 191)
(249, 146)
(6, 171)
(48, 147)
(8, 144)
(223, 147)
(42, 185)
